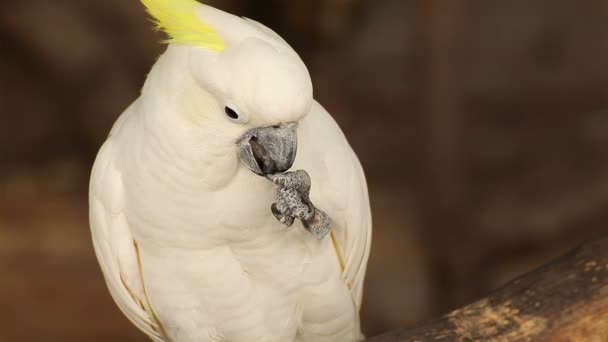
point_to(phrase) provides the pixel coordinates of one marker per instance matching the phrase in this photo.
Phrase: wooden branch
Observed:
(564, 301)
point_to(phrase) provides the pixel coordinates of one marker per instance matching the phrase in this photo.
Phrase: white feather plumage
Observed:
(183, 231)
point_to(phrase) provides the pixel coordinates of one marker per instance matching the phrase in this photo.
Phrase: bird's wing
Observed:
(341, 186)
(114, 246)
(353, 241)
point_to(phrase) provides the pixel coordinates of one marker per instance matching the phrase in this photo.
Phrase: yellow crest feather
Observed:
(179, 20)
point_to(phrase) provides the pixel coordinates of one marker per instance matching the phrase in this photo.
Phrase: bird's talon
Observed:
(293, 202)
(319, 225)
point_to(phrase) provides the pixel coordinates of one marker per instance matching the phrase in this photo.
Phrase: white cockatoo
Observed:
(201, 231)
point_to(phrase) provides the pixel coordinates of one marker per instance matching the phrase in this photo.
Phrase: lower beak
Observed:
(269, 150)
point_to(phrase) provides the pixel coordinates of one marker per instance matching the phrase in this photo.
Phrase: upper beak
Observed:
(269, 150)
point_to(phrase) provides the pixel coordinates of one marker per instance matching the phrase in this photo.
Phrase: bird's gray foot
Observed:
(292, 202)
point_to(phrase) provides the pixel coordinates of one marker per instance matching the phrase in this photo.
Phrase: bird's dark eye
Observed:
(231, 113)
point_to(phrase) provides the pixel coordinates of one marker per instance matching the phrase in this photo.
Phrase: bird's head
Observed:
(242, 84)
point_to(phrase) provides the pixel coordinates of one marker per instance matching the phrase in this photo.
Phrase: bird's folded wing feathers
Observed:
(341, 184)
(355, 241)
(114, 246)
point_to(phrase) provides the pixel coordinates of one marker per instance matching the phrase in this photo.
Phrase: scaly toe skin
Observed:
(293, 202)
(299, 180)
(303, 212)
(319, 225)
(287, 202)
(278, 214)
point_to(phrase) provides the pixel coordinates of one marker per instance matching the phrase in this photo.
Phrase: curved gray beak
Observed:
(269, 150)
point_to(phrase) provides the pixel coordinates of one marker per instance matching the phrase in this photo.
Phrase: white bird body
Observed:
(184, 234)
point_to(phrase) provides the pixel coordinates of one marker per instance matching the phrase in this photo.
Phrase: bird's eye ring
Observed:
(231, 113)
(235, 115)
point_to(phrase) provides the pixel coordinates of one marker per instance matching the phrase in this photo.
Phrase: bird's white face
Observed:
(260, 93)
(242, 83)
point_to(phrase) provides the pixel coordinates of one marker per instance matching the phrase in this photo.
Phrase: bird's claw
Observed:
(298, 180)
(292, 202)
(284, 219)
(319, 225)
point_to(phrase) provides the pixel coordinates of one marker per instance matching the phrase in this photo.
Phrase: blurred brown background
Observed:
(482, 125)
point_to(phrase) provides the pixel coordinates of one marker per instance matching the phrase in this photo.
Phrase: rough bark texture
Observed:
(566, 300)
